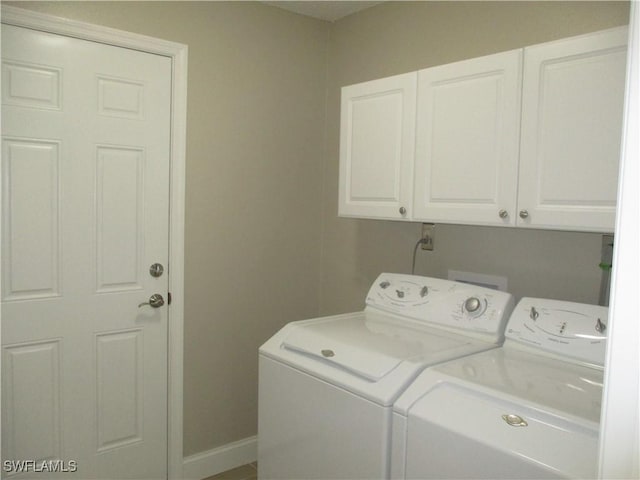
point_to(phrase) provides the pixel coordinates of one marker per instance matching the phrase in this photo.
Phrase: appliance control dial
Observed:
(439, 302)
(474, 306)
(574, 331)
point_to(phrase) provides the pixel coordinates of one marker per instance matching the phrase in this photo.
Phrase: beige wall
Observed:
(398, 37)
(264, 245)
(254, 167)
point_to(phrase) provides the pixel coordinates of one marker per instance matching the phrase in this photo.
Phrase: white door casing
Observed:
(620, 421)
(121, 163)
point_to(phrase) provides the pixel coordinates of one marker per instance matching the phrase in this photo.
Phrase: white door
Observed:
(85, 169)
(572, 105)
(377, 134)
(467, 140)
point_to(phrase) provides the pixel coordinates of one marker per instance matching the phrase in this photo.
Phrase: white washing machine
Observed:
(527, 410)
(327, 385)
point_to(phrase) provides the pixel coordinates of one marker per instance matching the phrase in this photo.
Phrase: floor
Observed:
(245, 472)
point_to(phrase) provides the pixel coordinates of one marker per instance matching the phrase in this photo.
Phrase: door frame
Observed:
(619, 454)
(178, 53)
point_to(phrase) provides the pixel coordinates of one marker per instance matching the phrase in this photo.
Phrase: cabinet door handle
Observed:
(503, 213)
(524, 214)
(403, 211)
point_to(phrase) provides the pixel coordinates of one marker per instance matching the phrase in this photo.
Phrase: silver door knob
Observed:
(402, 210)
(503, 213)
(155, 300)
(524, 214)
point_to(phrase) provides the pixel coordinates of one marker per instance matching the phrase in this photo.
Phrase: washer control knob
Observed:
(472, 304)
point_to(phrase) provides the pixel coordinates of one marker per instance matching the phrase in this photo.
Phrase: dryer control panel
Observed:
(443, 303)
(573, 330)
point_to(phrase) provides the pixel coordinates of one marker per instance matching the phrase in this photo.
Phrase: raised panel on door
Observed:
(573, 95)
(377, 148)
(31, 217)
(467, 141)
(32, 408)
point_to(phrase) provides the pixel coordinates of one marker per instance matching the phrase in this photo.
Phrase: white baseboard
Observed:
(218, 460)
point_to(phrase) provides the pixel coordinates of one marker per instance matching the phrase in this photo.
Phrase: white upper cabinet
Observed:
(377, 140)
(527, 138)
(572, 105)
(467, 141)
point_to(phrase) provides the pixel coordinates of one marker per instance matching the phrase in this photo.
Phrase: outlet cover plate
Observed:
(428, 233)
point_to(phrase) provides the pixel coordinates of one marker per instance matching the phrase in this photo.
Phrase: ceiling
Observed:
(327, 10)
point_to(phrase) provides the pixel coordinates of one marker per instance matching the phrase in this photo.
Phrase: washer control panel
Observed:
(573, 330)
(442, 302)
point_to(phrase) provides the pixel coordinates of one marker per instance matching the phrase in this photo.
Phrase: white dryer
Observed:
(529, 409)
(327, 385)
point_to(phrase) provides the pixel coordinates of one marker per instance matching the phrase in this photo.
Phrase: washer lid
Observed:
(365, 344)
(455, 432)
(568, 390)
(507, 413)
(371, 354)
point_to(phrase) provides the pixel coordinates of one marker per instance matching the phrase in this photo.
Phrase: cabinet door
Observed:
(467, 139)
(377, 135)
(572, 104)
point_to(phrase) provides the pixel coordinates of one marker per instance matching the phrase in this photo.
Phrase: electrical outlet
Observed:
(428, 232)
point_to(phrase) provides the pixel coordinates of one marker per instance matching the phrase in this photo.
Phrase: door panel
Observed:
(32, 403)
(85, 144)
(119, 206)
(32, 265)
(119, 386)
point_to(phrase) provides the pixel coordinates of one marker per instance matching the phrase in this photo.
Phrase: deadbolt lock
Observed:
(156, 270)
